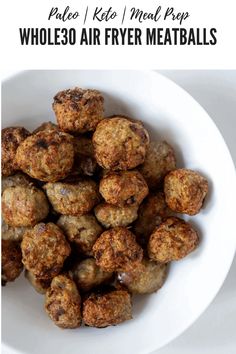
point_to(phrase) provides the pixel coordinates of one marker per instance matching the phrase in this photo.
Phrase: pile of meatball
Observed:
(89, 210)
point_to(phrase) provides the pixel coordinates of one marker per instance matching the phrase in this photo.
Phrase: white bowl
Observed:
(169, 113)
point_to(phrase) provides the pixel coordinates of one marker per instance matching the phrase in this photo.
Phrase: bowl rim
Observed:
(151, 348)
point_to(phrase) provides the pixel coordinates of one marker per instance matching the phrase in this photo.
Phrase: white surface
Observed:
(177, 100)
(214, 332)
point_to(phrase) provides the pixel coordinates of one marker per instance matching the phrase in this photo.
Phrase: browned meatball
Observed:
(148, 277)
(46, 126)
(87, 274)
(47, 155)
(11, 261)
(102, 310)
(13, 233)
(112, 216)
(63, 302)
(78, 110)
(85, 162)
(75, 198)
(123, 188)
(172, 240)
(160, 159)
(19, 179)
(11, 138)
(150, 214)
(120, 143)
(44, 250)
(24, 206)
(117, 250)
(185, 191)
(40, 285)
(82, 230)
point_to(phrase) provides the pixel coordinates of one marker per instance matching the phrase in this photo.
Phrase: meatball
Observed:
(44, 250)
(185, 191)
(111, 215)
(11, 138)
(84, 145)
(19, 179)
(63, 302)
(75, 198)
(123, 188)
(120, 143)
(145, 279)
(13, 233)
(24, 206)
(160, 159)
(109, 309)
(82, 230)
(46, 126)
(40, 285)
(87, 274)
(151, 213)
(85, 162)
(117, 250)
(47, 155)
(78, 110)
(172, 240)
(11, 261)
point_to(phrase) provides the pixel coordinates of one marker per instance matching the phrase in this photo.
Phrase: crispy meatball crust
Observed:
(172, 240)
(24, 206)
(150, 214)
(46, 126)
(47, 155)
(63, 302)
(13, 233)
(11, 138)
(40, 285)
(102, 310)
(120, 143)
(87, 274)
(11, 261)
(19, 179)
(112, 216)
(123, 188)
(82, 230)
(78, 110)
(185, 191)
(145, 279)
(116, 250)
(75, 198)
(160, 159)
(44, 250)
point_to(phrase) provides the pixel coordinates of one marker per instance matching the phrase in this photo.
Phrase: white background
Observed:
(203, 13)
(214, 332)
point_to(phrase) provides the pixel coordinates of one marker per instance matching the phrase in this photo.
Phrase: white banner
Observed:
(118, 34)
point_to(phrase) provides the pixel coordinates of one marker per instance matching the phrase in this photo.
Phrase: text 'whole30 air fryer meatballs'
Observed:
(89, 207)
